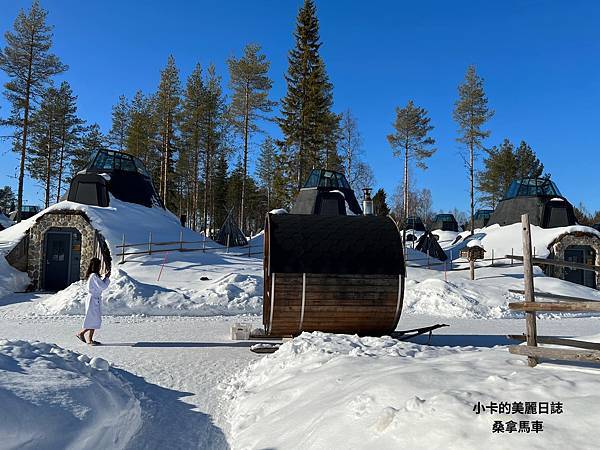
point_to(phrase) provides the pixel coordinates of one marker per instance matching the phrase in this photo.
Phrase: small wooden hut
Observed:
(339, 274)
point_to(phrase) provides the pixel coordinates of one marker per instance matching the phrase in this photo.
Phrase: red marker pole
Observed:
(162, 266)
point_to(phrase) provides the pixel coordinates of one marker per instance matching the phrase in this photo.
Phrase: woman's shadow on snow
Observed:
(168, 422)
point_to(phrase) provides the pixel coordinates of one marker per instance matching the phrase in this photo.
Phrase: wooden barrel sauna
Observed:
(338, 274)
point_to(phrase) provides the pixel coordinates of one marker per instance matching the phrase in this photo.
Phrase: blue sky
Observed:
(540, 61)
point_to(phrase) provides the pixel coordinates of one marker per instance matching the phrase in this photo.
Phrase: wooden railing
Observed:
(586, 351)
(150, 247)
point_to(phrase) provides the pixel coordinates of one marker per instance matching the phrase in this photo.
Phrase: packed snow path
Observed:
(180, 366)
(175, 364)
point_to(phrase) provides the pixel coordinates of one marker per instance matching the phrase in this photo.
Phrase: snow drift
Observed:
(229, 295)
(339, 391)
(56, 399)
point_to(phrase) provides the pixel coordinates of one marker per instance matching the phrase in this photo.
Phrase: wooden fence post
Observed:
(204, 243)
(150, 243)
(227, 244)
(492, 257)
(530, 322)
(181, 240)
(123, 250)
(472, 268)
(249, 244)
(512, 253)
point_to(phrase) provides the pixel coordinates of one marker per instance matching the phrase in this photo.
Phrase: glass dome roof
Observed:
(326, 178)
(532, 187)
(109, 160)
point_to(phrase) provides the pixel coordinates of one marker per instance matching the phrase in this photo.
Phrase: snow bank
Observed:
(54, 398)
(5, 221)
(504, 240)
(229, 295)
(454, 299)
(11, 279)
(338, 391)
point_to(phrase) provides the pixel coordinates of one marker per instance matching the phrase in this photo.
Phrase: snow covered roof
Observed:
(120, 220)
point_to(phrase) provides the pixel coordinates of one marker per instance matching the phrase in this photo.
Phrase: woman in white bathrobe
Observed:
(93, 309)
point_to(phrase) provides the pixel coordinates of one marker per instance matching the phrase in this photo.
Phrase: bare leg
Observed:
(91, 335)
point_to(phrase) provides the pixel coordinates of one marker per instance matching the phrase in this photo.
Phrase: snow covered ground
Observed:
(55, 398)
(178, 381)
(336, 391)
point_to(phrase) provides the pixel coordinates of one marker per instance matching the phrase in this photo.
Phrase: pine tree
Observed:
(192, 115)
(7, 199)
(213, 130)
(142, 132)
(250, 85)
(411, 141)
(471, 111)
(500, 167)
(117, 136)
(167, 104)
(380, 207)
(91, 140)
(43, 156)
(70, 128)
(309, 127)
(29, 65)
(504, 164)
(528, 165)
(266, 168)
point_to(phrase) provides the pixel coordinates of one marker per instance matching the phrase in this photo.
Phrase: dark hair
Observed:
(94, 267)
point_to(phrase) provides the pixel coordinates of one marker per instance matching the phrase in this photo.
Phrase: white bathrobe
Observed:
(93, 310)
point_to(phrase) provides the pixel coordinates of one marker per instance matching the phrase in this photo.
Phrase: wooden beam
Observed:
(556, 353)
(566, 298)
(583, 306)
(555, 262)
(558, 341)
(530, 322)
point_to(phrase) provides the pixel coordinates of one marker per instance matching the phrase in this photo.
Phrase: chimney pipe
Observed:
(367, 202)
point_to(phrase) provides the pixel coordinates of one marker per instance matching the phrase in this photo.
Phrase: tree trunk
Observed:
(48, 169)
(472, 175)
(60, 166)
(246, 132)
(405, 186)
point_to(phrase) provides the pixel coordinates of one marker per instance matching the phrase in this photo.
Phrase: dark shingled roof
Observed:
(334, 244)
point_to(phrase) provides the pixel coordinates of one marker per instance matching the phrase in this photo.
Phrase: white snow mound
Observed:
(53, 398)
(338, 391)
(229, 295)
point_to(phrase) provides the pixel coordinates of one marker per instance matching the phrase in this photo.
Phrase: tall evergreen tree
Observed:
(192, 115)
(528, 165)
(212, 140)
(141, 135)
(90, 141)
(411, 141)
(167, 104)
(502, 165)
(500, 168)
(70, 128)
(380, 206)
(250, 85)
(117, 136)
(309, 127)
(29, 65)
(471, 112)
(7, 199)
(266, 168)
(43, 156)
